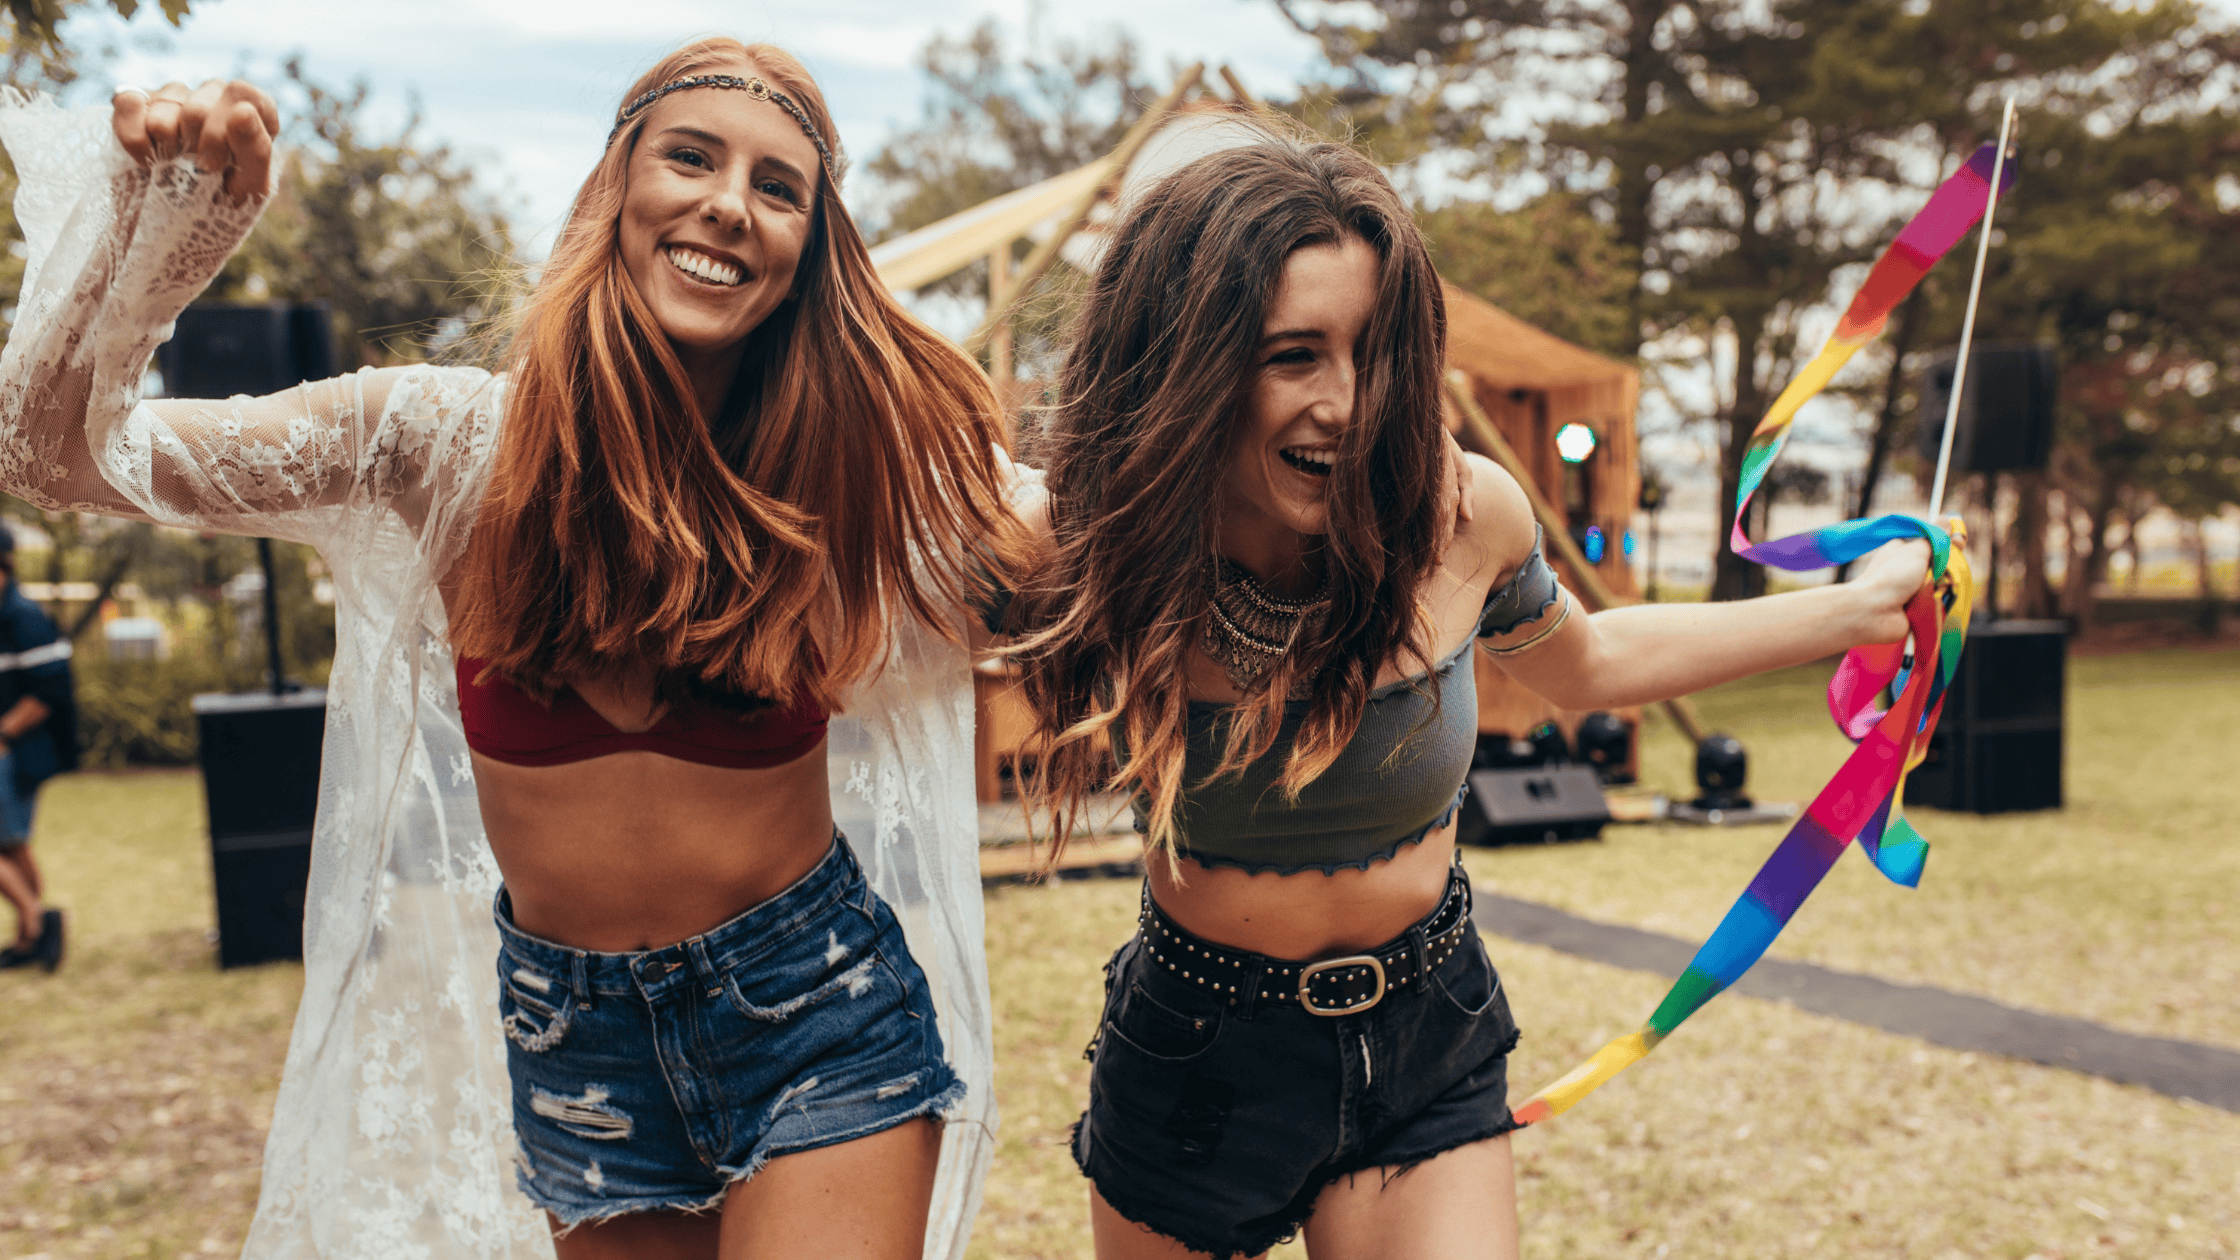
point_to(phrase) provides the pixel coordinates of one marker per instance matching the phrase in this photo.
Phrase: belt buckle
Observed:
(1311, 970)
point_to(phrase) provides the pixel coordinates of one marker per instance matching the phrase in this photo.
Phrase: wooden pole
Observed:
(1242, 95)
(1045, 254)
(1000, 366)
(1594, 591)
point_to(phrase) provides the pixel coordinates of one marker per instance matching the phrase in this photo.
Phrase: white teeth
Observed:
(702, 267)
(1319, 458)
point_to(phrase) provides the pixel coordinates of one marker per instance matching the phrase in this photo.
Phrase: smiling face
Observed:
(1301, 398)
(721, 198)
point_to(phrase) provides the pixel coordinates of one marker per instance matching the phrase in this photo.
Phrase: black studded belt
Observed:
(1332, 986)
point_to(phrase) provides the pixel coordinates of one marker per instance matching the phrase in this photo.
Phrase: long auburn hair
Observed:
(1161, 361)
(756, 553)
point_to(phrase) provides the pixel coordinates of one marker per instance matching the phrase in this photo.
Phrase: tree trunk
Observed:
(2030, 525)
(1885, 420)
(105, 588)
(2084, 582)
(2132, 515)
(1639, 66)
(2197, 539)
(1733, 577)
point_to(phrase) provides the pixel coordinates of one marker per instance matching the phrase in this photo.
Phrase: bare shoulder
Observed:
(1497, 538)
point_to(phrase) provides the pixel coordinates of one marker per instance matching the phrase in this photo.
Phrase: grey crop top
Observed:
(1370, 802)
(1373, 800)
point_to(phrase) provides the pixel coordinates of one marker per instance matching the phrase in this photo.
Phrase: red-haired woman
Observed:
(1259, 600)
(594, 614)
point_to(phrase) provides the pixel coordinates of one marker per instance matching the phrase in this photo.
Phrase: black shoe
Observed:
(12, 958)
(49, 948)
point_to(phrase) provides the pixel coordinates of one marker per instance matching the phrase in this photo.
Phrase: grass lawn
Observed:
(137, 1085)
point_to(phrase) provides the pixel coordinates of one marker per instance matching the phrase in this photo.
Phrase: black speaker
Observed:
(1543, 804)
(260, 777)
(2006, 407)
(220, 349)
(1997, 748)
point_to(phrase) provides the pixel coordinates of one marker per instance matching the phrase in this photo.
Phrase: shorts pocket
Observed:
(532, 1006)
(1157, 1029)
(787, 992)
(1468, 983)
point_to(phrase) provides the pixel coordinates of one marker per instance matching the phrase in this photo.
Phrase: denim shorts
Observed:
(16, 807)
(1215, 1119)
(654, 1080)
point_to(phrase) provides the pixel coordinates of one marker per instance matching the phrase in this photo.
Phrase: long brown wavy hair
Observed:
(1161, 362)
(755, 553)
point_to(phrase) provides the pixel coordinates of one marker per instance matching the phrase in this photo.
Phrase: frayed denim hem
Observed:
(1136, 1215)
(934, 1106)
(570, 1217)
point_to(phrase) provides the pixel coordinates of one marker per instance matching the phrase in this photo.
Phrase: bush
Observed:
(140, 712)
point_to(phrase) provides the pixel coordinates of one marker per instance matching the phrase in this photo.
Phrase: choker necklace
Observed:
(1247, 628)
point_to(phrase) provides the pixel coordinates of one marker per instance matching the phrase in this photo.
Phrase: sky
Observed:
(526, 92)
(528, 89)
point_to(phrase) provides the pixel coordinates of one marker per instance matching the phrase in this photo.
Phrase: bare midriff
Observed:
(1309, 915)
(1313, 915)
(636, 851)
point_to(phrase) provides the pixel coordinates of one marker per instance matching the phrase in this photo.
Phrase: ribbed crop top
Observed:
(506, 725)
(1392, 784)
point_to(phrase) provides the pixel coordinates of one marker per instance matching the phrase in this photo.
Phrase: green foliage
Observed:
(1551, 263)
(393, 234)
(1747, 152)
(36, 53)
(140, 712)
(993, 123)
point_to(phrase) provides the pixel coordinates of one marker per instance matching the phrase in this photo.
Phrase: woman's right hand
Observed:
(226, 126)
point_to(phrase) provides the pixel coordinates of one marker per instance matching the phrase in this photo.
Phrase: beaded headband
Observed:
(753, 87)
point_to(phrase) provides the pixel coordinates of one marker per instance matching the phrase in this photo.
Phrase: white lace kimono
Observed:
(392, 1137)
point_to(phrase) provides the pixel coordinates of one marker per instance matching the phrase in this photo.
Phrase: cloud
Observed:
(527, 90)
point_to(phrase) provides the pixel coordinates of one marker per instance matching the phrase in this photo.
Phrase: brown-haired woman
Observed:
(596, 611)
(1255, 601)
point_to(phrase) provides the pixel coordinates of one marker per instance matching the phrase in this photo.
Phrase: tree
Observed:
(408, 252)
(1737, 145)
(993, 123)
(36, 54)
(1550, 262)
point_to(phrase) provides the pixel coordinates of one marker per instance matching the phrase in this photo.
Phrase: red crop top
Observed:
(506, 725)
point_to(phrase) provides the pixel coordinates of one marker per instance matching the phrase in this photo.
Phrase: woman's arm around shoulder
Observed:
(1493, 528)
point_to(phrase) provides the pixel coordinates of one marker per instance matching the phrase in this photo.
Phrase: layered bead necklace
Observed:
(1248, 628)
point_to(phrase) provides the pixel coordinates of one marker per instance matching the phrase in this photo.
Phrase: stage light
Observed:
(1548, 742)
(1627, 544)
(1574, 442)
(1721, 767)
(1593, 545)
(1605, 742)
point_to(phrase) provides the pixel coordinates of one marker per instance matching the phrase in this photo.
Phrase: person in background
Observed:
(36, 733)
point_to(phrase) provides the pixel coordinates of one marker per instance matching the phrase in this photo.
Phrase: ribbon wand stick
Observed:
(1968, 321)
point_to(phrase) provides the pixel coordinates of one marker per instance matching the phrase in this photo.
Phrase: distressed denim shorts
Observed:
(1217, 1120)
(654, 1080)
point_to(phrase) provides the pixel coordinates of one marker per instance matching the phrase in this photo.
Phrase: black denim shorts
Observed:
(1216, 1118)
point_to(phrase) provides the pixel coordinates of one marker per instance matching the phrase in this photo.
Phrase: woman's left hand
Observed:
(1886, 582)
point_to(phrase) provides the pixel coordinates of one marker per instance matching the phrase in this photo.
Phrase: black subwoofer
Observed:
(1540, 804)
(260, 775)
(1998, 747)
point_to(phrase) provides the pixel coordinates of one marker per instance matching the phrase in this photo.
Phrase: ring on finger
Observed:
(126, 89)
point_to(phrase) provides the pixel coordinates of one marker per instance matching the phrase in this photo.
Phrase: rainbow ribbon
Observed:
(1862, 801)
